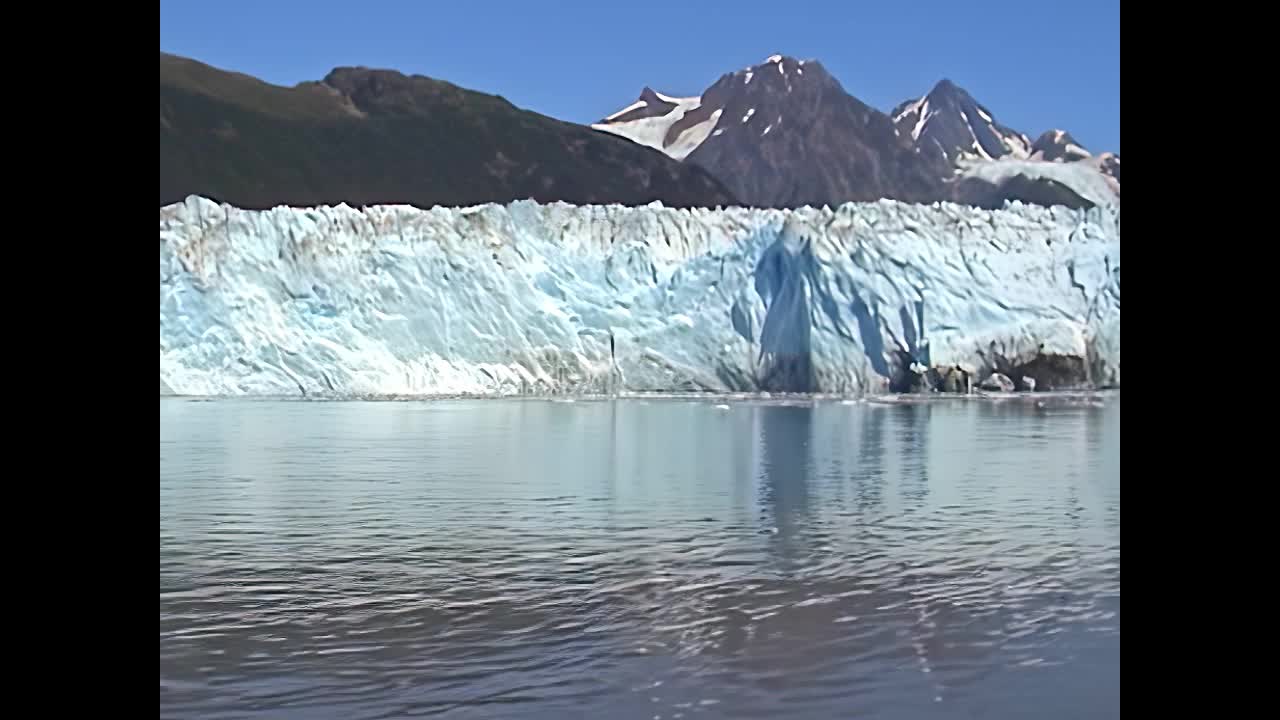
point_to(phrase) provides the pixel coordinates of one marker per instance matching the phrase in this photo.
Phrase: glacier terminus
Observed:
(559, 299)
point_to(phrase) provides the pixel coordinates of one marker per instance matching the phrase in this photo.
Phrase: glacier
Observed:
(542, 299)
(1081, 177)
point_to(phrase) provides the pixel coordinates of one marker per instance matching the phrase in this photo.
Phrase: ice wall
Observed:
(554, 298)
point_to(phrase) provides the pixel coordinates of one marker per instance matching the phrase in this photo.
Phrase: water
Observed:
(639, 559)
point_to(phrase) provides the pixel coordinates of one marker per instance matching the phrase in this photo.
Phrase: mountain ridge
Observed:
(785, 133)
(367, 136)
(856, 155)
(782, 134)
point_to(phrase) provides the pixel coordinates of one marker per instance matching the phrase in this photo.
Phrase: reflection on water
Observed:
(642, 559)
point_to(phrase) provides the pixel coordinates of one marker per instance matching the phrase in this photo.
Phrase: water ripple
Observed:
(638, 559)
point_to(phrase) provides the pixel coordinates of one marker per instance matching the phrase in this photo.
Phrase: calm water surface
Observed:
(639, 559)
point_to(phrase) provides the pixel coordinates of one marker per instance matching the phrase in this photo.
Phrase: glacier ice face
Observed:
(529, 298)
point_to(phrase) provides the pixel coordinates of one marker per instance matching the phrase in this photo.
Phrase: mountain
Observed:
(363, 137)
(950, 123)
(1058, 146)
(784, 133)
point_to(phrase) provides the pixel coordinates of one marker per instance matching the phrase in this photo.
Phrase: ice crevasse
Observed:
(529, 298)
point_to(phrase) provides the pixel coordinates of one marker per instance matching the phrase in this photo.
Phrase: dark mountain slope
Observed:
(366, 137)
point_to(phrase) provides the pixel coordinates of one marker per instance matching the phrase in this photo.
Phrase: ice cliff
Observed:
(554, 298)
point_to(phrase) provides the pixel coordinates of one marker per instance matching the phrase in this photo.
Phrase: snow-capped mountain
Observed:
(783, 133)
(950, 123)
(1059, 146)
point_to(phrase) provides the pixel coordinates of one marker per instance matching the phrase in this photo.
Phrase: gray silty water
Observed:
(639, 559)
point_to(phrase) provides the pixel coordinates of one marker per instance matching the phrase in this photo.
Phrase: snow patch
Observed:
(678, 101)
(1019, 146)
(774, 59)
(925, 115)
(693, 136)
(909, 109)
(633, 106)
(652, 131)
(750, 112)
(977, 146)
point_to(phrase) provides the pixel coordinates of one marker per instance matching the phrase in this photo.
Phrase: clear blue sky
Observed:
(1036, 64)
